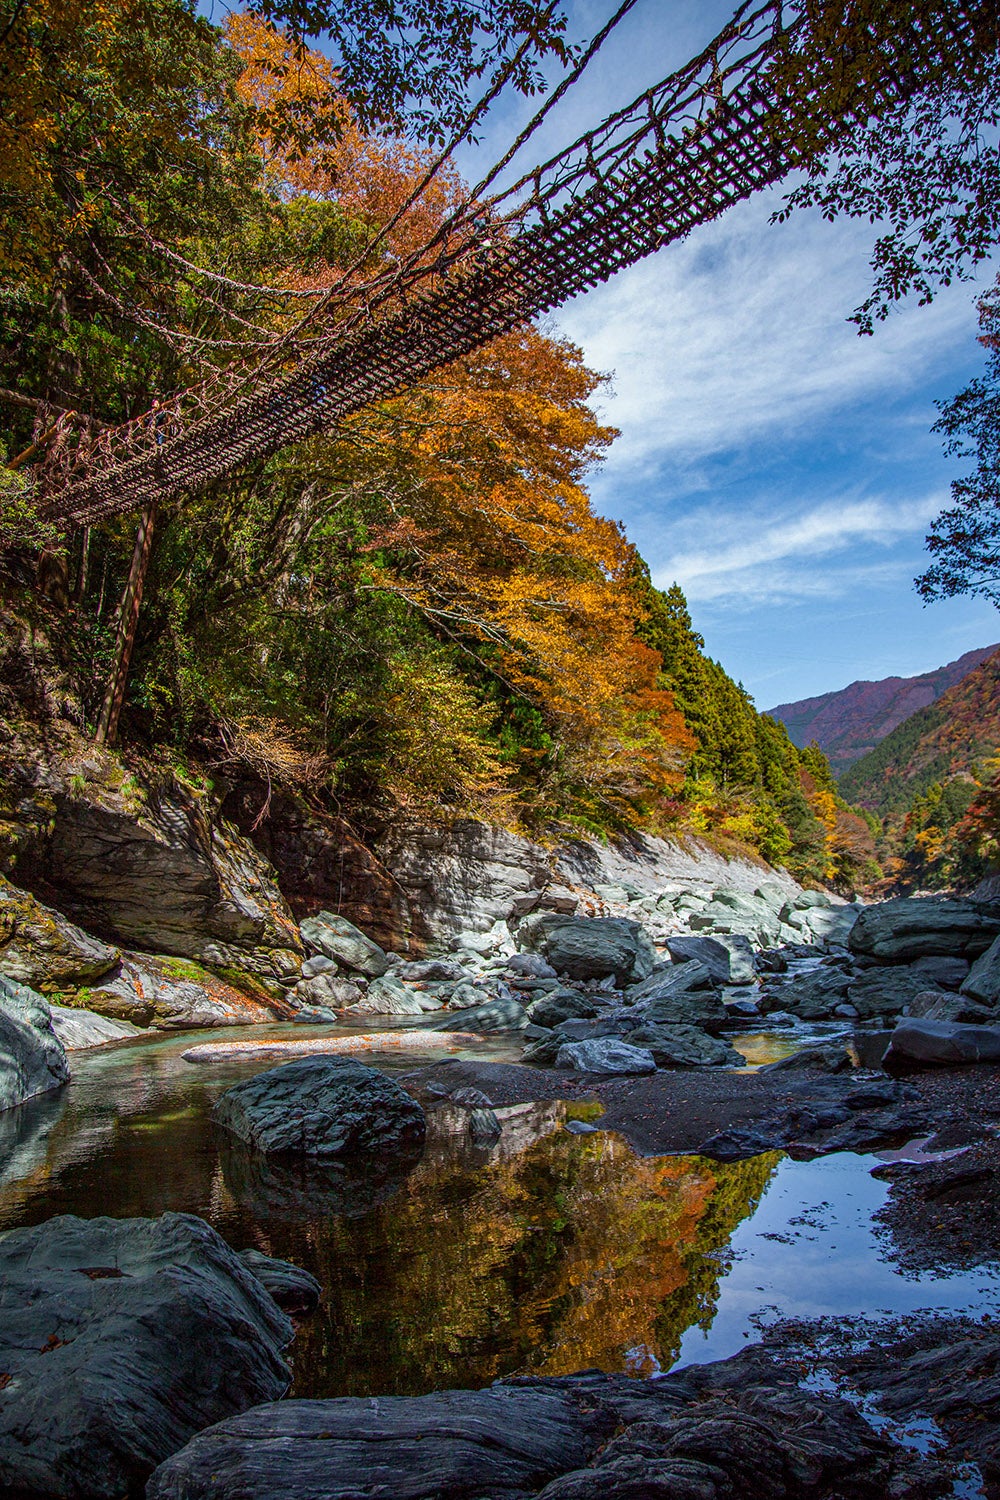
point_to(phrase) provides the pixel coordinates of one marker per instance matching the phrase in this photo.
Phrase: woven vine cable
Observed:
(715, 132)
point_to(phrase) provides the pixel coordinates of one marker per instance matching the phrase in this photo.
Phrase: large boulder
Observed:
(685, 1047)
(671, 980)
(945, 1043)
(501, 1442)
(918, 926)
(338, 939)
(388, 996)
(885, 992)
(41, 948)
(608, 1054)
(729, 959)
(157, 868)
(594, 947)
(503, 1014)
(176, 994)
(119, 1340)
(561, 1005)
(78, 1029)
(810, 997)
(323, 1107)
(32, 1058)
(983, 980)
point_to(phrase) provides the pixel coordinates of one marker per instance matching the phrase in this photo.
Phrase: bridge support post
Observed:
(128, 619)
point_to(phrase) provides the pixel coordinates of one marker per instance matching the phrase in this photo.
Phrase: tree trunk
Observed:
(128, 619)
(80, 586)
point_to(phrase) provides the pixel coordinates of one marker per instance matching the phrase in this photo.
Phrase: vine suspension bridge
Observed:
(768, 95)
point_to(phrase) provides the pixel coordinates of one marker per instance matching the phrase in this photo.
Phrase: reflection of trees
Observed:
(574, 1253)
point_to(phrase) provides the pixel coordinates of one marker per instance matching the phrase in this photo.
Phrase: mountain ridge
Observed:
(850, 722)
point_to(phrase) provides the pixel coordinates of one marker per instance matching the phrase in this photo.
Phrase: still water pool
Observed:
(548, 1252)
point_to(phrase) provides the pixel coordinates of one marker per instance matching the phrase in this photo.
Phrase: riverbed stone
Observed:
(502, 1442)
(983, 980)
(502, 1014)
(176, 994)
(78, 1028)
(32, 1058)
(884, 992)
(808, 997)
(119, 1340)
(41, 948)
(912, 927)
(729, 959)
(388, 996)
(594, 947)
(685, 1047)
(944, 1043)
(608, 1055)
(668, 981)
(944, 1005)
(942, 972)
(294, 1289)
(561, 1005)
(338, 939)
(323, 1107)
(328, 988)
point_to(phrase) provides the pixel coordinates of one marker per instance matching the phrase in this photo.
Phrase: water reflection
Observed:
(543, 1252)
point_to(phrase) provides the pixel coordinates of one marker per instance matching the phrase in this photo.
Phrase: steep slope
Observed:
(850, 723)
(940, 743)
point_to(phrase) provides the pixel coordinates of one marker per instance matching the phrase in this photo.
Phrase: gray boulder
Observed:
(32, 1058)
(884, 992)
(685, 1047)
(429, 970)
(702, 1008)
(595, 947)
(946, 1043)
(175, 994)
(41, 948)
(941, 972)
(561, 1005)
(530, 966)
(729, 959)
(983, 979)
(669, 981)
(388, 996)
(501, 1442)
(323, 1107)
(503, 1014)
(119, 1340)
(337, 938)
(914, 927)
(608, 1055)
(329, 988)
(78, 1029)
(468, 996)
(830, 1058)
(809, 997)
(294, 1289)
(937, 1005)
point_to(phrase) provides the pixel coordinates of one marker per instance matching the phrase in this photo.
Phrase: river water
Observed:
(549, 1252)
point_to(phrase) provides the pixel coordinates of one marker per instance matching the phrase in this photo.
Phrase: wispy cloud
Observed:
(776, 557)
(740, 335)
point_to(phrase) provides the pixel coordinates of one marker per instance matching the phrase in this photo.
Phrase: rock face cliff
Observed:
(849, 723)
(415, 887)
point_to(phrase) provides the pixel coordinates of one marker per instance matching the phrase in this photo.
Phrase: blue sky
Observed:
(778, 466)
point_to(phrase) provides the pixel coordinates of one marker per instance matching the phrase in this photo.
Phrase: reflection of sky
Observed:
(810, 1251)
(778, 466)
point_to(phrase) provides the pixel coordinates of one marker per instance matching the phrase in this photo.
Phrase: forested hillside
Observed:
(847, 724)
(418, 614)
(927, 781)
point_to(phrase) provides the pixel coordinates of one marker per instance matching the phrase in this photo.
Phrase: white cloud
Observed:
(740, 334)
(774, 558)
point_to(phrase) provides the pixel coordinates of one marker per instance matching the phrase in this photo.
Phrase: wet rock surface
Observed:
(32, 1058)
(322, 1107)
(708, 1434)
(119, 1339)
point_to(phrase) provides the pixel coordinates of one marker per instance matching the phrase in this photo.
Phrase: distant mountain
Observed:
(939, 743)
(850, 723)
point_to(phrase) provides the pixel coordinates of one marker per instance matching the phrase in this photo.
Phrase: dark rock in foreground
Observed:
(322, 1107)
(579, 1437)
(944, 1043)
(120, 1339)
(32, 1058)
